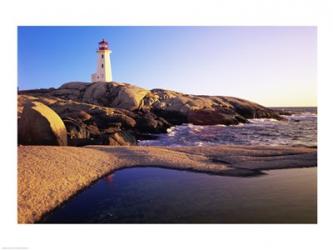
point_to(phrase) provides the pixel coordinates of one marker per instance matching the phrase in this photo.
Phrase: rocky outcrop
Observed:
(104, 112)
(75, 85)
(88, 124)
(128, 96)
(211, 117)
(207, 110)
(148, 122)
(111, 94)
(40, 125)
(71, 91)
(173, 107)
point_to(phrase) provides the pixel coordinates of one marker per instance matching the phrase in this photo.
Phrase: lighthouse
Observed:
(103, 71)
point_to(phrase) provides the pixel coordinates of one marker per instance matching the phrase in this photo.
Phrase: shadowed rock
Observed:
(87, 124)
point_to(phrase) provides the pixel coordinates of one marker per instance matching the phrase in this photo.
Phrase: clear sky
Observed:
(274, 66)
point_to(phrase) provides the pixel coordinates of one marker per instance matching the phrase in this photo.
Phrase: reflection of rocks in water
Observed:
(109, 178)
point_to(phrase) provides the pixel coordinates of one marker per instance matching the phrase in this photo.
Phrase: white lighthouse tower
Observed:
(103, 72)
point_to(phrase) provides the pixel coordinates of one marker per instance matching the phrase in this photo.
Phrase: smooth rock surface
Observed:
(40, 125)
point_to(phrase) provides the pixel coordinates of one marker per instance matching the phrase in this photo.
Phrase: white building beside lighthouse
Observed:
(103, 71)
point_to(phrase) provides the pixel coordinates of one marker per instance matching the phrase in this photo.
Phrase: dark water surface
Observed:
(156, 195)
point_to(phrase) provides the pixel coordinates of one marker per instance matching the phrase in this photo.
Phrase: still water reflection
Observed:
(156, 195)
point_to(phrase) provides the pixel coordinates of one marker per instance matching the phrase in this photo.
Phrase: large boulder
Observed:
(40, 125)
(129, 97)
(117, 95)
(148, 122)
(96, 93)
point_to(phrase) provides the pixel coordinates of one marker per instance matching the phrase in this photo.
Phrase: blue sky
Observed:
(274, 66)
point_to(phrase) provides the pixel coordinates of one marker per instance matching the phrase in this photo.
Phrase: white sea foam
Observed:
(262, 120)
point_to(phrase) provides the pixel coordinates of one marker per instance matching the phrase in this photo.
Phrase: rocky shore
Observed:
(112, 113)
(50, 175)
(52, 123)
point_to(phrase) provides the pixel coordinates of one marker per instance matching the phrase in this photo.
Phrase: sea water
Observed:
(298, 129)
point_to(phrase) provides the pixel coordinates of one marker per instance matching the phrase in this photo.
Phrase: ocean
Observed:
(298, 129)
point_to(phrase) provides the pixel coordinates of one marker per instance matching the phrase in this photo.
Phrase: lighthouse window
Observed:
(102, 56)
(102, 65)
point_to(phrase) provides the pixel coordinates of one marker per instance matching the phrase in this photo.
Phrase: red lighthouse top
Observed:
(103, 45)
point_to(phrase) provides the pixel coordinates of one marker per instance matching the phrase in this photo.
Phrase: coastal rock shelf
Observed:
(113, 113)
(50, 175)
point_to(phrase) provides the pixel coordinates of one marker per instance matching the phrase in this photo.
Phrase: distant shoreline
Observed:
(277, 107)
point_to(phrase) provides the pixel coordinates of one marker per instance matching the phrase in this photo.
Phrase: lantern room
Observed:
(103, 45)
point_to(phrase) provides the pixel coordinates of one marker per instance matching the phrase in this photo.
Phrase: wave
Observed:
(296, 129)
(262, 120)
